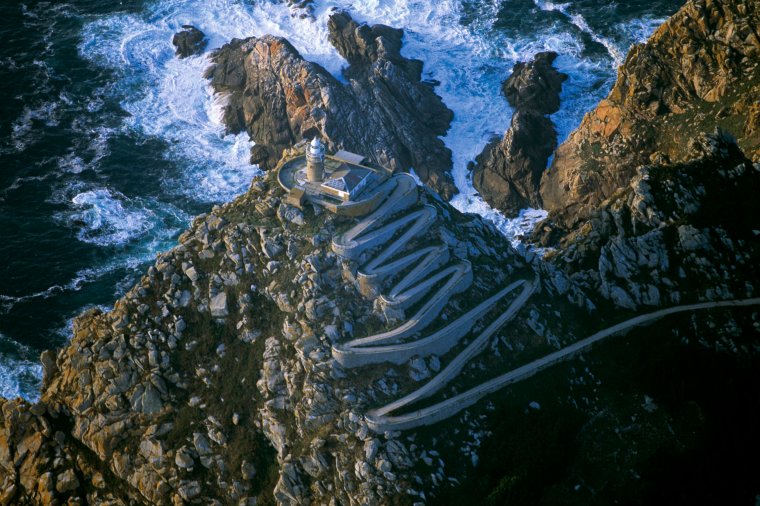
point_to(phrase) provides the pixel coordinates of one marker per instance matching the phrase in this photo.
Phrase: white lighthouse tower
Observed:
(315, 161)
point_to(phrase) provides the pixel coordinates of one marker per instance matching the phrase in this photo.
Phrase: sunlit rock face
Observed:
(385, 111)
(699, 70)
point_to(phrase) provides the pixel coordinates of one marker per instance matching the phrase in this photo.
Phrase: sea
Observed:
(109, 144)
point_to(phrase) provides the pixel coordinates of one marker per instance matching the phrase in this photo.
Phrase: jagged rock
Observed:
(184, 459)
(189, 42)
(291, 214)
(536, 85)
(218, 305)
(385, 112)
(680, 222)
(49, 367)
(189, 490)
(201, 444)
(418, 371)
(699, 70)
(146, 399)
(508, 172)
(66, 481)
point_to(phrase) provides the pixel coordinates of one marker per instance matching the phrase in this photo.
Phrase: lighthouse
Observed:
(315, 161)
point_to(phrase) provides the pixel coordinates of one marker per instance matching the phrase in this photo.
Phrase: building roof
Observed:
(297, 192)
(347, 178)
(347, 156)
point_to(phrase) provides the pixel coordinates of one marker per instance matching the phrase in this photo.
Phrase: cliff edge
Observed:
(698, 71)
(384, 110)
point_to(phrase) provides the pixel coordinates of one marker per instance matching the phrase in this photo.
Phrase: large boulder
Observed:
(189, 42)
(536, 85)
(385, 111)
(508, 172)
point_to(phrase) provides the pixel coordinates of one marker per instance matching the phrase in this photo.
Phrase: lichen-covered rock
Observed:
(699, 70)
(385, 111)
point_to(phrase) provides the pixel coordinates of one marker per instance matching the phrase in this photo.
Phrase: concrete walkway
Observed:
(431, 268)
(379, 420)
(370, 350)
(362, 236)
(375, 231)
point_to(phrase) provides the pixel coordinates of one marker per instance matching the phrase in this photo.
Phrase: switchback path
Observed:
(368, 350)
(373, 231)
(379, 421)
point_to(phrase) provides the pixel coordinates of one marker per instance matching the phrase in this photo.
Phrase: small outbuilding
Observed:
(347, 183)
(296, 197)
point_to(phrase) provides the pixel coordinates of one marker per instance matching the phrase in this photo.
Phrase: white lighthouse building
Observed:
(315, 161)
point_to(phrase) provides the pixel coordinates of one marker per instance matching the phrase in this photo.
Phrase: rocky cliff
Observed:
(687, 227)
(508, 172)
(699, 70)
(384, 110)
(212, 380)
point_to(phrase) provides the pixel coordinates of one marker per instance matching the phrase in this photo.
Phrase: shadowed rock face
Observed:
(190, 41)
(385, 111)
(536, 85)
(508, 172)
(698, 71)
(676, 228)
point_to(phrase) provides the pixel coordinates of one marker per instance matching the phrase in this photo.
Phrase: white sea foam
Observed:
(25, 130)
(168, 98)
(20, 371)
(616, 54)
(635, 31)
(105, 219)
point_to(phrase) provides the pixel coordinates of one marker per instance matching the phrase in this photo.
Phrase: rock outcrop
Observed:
(699, 70)
(189, 42)
(675, 229)
(212, 380)
(508, 172)
(384, 110)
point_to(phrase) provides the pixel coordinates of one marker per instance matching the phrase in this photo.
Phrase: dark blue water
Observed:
(109, 144)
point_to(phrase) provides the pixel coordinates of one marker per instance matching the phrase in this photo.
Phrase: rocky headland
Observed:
(700, 70)
(213, 379)
(508, 172)
(384, 110)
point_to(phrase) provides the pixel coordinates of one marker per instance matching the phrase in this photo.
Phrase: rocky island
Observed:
(340, 334)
